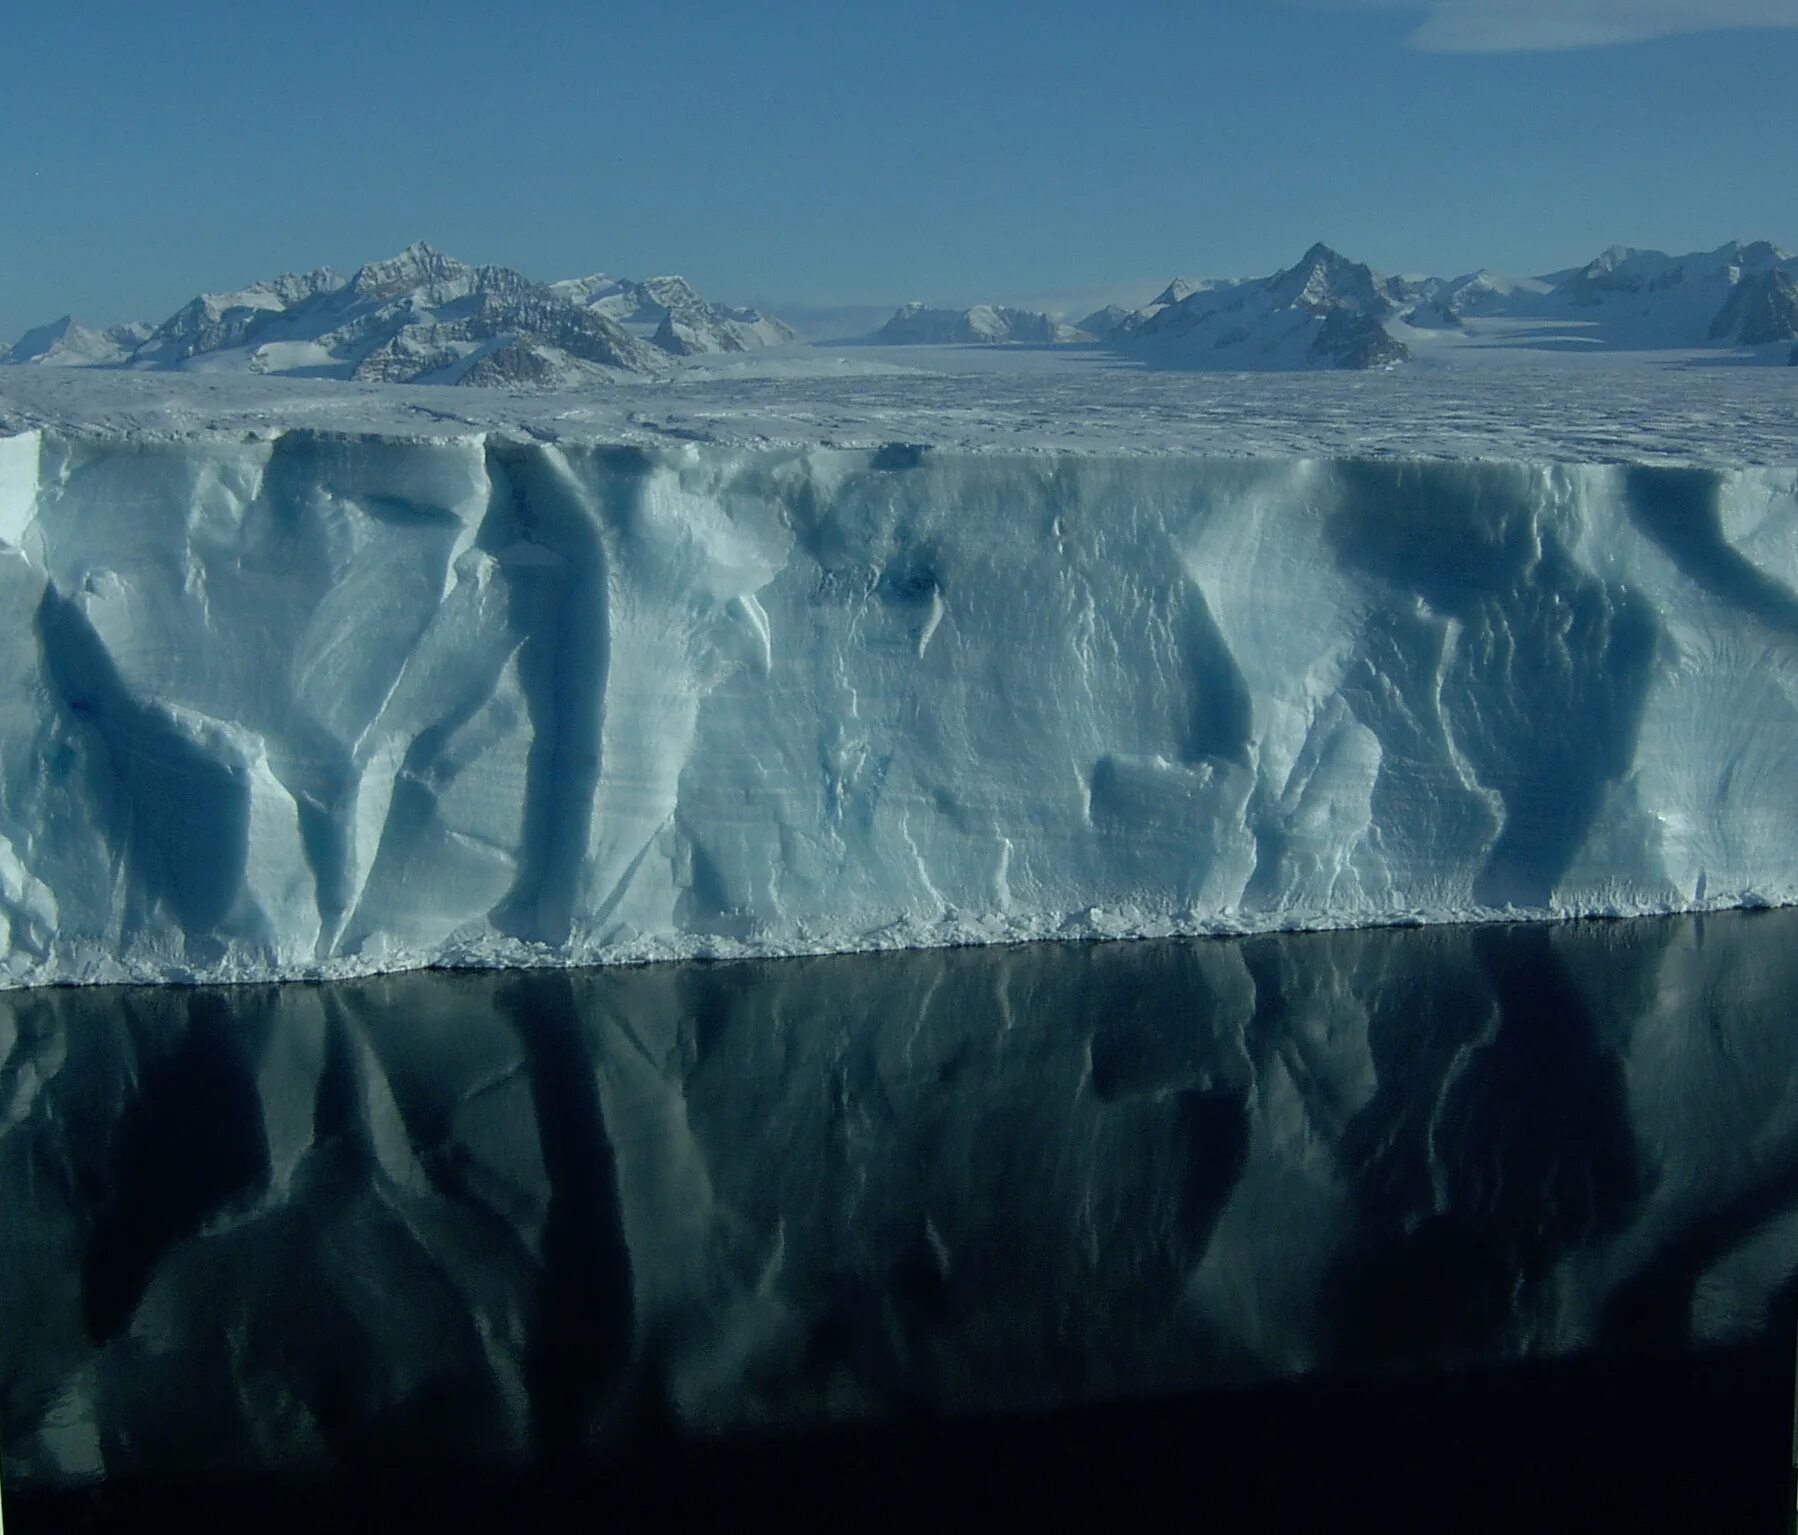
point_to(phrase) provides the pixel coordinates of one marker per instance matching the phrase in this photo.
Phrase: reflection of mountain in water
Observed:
(520, 1215)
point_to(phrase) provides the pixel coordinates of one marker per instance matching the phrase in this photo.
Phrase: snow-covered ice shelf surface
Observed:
(1040, 400)
(311, 682)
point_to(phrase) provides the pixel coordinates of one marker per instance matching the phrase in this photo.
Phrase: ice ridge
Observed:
(320, 705)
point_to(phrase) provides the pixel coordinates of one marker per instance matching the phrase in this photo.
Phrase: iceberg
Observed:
(294, 702)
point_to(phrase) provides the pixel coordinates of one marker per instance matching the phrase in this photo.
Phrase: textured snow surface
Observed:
(1028, 399)
(311, 704)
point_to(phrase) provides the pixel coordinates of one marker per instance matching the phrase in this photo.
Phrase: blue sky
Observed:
(840, 153)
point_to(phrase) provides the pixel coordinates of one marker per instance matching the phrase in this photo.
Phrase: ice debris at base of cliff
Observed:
(462, 1220)
(314, 705)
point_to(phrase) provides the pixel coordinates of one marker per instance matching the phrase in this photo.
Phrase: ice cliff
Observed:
(317, 704)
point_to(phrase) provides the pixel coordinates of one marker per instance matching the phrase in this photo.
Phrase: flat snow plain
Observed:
(840, 653)
(1027, 399)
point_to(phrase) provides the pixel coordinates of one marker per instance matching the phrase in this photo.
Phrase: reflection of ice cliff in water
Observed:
(502, 1216)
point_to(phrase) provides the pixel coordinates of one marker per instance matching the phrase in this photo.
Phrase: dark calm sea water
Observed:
(1482, 1222)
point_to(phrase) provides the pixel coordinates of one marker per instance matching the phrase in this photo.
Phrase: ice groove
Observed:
(562, 665)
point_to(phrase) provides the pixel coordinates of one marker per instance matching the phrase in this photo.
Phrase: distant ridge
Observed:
(1329, 311)
(425, 317)
(984, 324)
(420, 317)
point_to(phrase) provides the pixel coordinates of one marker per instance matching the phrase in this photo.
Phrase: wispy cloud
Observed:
(1543, 26)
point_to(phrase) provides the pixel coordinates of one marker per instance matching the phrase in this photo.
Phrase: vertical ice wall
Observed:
(320, 703)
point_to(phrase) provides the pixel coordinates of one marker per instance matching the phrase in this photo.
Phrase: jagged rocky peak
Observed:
(1627, 269)
(215, 322)
(1752, 255)
(1740, 294)
(1613, 258)
(419, 265)
(673, 292)
(712, 328)
(1482, 292)
(1325, 279)
(1622, 270)
(1350, 340)
(281, 292)
(1170, 297)
(674, 315)
(583, 290)
(1761, 309)
(419, 317)
(296, 287)
(1324, 311)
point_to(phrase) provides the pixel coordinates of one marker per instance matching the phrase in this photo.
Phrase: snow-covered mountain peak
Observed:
(1324, 311)
(1180, 288)
(1751, 255)
(673, 292)
(422, 316)
(1736, 294)
(1762, 309)
(41, 337)
(1321, 257)
(1325, 279)
(1624, 270)
(1626, 299)
(673, 314)
(584, 290)
(65, 342)
(281, 292)
(419, 267)
(1101, 322)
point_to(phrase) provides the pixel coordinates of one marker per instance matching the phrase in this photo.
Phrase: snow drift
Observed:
(317, 704)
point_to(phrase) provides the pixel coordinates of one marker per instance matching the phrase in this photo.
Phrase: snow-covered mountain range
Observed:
(1325, 311)
(986, 324)
(421, 317)
(1737, 295)
(67, 344)
(670, 311)
(424, 317)
(1329, 311)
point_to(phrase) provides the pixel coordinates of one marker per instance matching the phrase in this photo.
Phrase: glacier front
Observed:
(298, 702)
